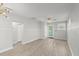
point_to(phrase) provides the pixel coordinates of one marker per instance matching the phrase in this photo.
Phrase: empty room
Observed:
(39, 29)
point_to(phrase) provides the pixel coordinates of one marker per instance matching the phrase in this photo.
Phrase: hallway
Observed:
(41, 47)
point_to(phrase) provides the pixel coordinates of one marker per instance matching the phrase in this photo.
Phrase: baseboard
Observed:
(4, 50)
(43, 38)
(70, 48)
(29, 41)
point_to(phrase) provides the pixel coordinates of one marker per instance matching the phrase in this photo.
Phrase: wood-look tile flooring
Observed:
(41, 47)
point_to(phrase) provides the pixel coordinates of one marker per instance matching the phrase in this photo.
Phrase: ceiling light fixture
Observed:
(49, 19)
(4, 11)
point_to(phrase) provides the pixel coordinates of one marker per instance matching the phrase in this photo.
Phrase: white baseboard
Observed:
(43, 38)
(70, 48)
(4, 50)
(29, 41)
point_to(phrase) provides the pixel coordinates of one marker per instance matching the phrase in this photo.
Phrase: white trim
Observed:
(44, 38)
(70, 48)
(29, 41)
(4, 50)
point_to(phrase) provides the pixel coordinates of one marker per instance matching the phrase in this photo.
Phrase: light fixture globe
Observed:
(4, 10)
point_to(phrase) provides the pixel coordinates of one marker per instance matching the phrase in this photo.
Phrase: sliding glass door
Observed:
(50, 30)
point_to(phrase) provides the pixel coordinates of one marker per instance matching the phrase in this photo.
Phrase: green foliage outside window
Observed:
(50, 32)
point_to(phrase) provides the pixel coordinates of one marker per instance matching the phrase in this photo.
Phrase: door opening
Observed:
(17, 32)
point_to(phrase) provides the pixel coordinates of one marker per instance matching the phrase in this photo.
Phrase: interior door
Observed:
(17, 32)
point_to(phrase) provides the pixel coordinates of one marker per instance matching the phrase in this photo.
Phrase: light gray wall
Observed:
(31, 30)
(41, 28)
(59, 30)
(73, 30)
(5, 33)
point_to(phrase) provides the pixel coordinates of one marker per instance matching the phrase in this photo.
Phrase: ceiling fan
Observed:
(4, 11)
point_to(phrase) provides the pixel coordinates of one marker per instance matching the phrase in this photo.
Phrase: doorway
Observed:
(56, 30)
(17, 32)
(50, 30)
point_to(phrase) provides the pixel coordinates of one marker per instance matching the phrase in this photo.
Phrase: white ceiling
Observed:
(41, 10)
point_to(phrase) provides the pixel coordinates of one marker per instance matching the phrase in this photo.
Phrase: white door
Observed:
(20, 32)
(17, 32)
